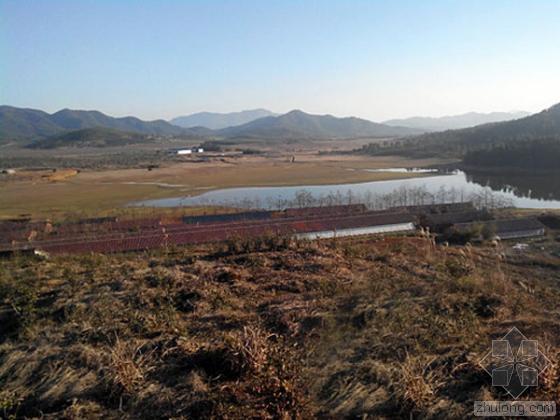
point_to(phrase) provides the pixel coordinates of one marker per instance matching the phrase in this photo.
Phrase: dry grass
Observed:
(129, 366)
(353, 328)
(420, 382)
(101, 191)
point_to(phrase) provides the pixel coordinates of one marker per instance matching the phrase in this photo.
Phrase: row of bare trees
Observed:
(403, 196)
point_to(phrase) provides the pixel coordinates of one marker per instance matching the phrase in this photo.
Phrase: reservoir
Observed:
(523, 191)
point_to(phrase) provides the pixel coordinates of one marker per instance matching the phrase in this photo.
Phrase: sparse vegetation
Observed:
(271, 328)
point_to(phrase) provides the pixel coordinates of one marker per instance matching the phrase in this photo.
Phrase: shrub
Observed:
(19, 294)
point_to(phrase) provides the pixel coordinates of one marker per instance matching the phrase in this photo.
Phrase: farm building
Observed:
(438, 208)
(438, 222)
(339, 210)
(376, 224)
(444, 208)
(324, 210)
(142, 234)
(189, 151)
(551, 221)
(98, 220)
(506, 229)
(227, 217)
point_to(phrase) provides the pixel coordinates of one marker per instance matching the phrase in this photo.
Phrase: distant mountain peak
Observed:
(297, 124)
(18, 124)
(543, 126)
(454, 122)
(217, 120)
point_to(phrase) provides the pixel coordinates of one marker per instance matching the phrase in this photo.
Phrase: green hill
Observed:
(75, 120)
(299, 125)
(456, 143)
(455, 122)
(25, 125)
(91, 137)
(533, 156)
(19, 123)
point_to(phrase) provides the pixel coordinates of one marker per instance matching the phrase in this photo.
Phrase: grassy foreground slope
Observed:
(270, 329)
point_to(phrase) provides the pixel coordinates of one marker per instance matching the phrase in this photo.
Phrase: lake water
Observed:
(520, 191)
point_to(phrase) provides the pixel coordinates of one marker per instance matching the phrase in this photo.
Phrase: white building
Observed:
(190, 151)
(366, 230)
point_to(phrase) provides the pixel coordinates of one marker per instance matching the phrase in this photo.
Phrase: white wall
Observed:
(400, 227)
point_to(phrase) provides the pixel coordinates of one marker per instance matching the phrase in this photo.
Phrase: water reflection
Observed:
(405, 170)
(541, 187)
(520, 191)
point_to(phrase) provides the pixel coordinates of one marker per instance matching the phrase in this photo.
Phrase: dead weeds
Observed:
(274, 328)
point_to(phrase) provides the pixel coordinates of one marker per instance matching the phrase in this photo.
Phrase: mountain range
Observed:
(454, 122)
(20, 124)
(537, 126)
(24, 126)
(543, 125)
(300, 125)
(91, 137)
(217, 121)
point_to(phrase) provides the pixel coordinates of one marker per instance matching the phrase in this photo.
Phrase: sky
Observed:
(372, 59)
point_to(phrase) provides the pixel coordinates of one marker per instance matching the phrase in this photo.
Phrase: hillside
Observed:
(216, 121)
(91, 137)
(20, 123)
(25, 125)
(455, 122)
(532, 156)
(17, 124)
(299, 125)
(455, 143)
(389, 327)
(74, 120)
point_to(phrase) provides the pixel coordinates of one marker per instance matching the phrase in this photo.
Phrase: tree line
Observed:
(534, 156)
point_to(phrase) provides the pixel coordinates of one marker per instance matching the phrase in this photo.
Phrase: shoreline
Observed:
(96, 192)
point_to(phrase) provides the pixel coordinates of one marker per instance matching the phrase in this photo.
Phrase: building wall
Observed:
(521, 234)
(400, 227)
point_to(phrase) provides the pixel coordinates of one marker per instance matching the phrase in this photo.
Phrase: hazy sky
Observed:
(373, 59)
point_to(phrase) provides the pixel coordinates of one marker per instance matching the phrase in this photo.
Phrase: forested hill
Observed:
(456, 122)
(534, 156)
(91, 137)
(300, 125)
(22, 125)
(457, 143)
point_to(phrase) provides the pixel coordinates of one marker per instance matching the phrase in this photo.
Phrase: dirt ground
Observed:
(43, 194)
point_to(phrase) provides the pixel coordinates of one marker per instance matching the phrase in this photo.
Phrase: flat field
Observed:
(88, 192)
